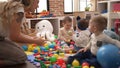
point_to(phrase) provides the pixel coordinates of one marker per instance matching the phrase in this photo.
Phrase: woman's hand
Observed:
(40, 41)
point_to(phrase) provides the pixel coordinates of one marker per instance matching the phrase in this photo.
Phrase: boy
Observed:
(96, 26)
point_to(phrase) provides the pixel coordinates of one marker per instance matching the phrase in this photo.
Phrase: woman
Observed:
(11, 18)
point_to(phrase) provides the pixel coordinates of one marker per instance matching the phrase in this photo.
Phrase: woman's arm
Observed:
(15, 31)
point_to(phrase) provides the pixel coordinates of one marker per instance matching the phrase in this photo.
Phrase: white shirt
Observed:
(102, 37)
(81, 38)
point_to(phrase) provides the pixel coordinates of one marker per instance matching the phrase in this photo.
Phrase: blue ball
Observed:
(24, 47)
(108, 56)
(35, 50)
(51, 46)
(42, 48)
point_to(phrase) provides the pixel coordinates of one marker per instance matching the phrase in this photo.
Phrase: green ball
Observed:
(55, 36)
(47, 47)
(53, 59)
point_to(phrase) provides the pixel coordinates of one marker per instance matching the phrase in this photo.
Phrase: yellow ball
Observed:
(85, 67)
(92, 67)
(75, 63)
(56, 55)
(62, 54)
(45, 44)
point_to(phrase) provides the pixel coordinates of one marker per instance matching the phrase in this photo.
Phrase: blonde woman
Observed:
(11, 18)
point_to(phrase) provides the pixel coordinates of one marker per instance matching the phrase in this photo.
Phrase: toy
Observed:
(108, 59)
(75, 63)
(24, 47)
(53, 59)
(45, 29)
(85, 64)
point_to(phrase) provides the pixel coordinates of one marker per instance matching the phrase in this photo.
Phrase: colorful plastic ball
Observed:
(85, 67)
(51, 46)
(42, 48)
(68, 66)
(55, 36)
(75, 63)
(53, 59)
(53, 43)
(108, 56)
(47, 47)
(85, 64)
(25, 48)
(56, 55)
(35, 50)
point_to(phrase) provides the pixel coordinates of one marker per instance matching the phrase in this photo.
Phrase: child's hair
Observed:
(82, 24)
(67, 18)
(100, 22)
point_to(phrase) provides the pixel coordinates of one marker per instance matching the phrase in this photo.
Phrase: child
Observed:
(81, 37)
(96, 26)
(66, 32)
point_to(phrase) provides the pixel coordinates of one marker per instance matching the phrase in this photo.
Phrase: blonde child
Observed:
(88, 54)
(66, 32)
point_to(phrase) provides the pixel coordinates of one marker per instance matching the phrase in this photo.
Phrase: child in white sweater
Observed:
(82, 35)
(88, 54)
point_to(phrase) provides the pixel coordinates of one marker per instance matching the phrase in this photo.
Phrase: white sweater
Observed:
(102, 37)
(82, 38)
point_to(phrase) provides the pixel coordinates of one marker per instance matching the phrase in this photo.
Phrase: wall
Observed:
(57, 7)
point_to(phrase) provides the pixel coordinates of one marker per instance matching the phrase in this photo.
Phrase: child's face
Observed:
(91, 27)
(67, 25)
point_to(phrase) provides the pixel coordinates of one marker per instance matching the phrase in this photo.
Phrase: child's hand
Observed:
(82, 50)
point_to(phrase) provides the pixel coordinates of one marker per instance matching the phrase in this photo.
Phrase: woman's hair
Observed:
(100, 22)
(82, 24)
(25, 2)
(67, 18)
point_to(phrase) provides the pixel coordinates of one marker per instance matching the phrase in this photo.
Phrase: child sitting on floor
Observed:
(66, 32)
(88, 54)
(82, 35)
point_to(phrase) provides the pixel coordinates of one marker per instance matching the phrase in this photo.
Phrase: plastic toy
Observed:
(75, 63)
(45, 30)
(60, 62)
(24, 47)
(108, 59)
(85, 67)
(53, 59)
(85, 64)
(56, 55)
(92, 67)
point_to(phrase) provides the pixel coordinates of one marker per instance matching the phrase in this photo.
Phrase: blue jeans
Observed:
(84, 57)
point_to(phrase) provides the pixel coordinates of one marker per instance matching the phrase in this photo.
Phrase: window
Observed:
(84, 4)
(43, 5)
(68, 6)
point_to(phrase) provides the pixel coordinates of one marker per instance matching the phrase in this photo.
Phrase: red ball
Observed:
(85, 64)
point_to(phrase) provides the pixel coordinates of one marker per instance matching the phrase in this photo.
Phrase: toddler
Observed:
(66, 32)
(82, 35)
(88, 54)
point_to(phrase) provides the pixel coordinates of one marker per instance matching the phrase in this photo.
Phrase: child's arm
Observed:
(60, 35)
(85, 49)
(112, 41)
